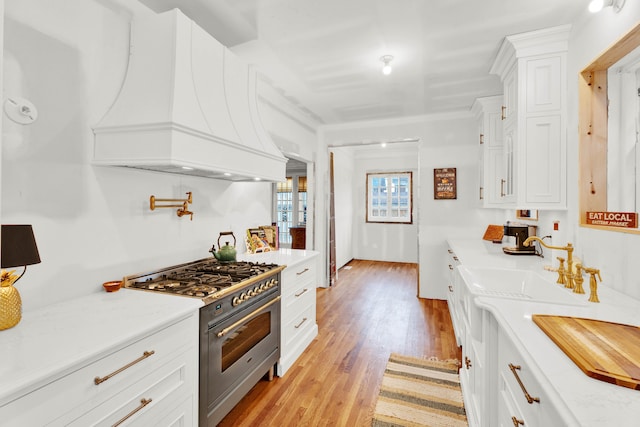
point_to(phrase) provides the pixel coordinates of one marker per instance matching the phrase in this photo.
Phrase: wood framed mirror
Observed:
(603, 202)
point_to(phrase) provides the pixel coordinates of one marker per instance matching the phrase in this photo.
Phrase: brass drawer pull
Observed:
(304, 291)
(300, 324)
(450, 251)
(302, 272)
(455, 258)
(524, 390)
(467, 362)
(517, 422)
(450, 267)
(450, 288)
(504, 113)
(98, 380)
(502, 182)
(143, 403)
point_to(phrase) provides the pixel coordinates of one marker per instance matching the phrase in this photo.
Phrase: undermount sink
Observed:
(517, 284)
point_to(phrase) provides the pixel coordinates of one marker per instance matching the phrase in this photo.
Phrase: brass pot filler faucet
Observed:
(571, 278)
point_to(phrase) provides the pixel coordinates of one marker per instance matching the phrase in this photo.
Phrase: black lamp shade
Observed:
(18, 246)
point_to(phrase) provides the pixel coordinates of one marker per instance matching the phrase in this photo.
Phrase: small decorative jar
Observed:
(10, 302)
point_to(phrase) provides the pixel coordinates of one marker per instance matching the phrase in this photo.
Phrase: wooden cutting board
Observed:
(494, 233)
(603, 350)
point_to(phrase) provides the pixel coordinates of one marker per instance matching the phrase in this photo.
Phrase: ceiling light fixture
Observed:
(386, 69)
(597, 5)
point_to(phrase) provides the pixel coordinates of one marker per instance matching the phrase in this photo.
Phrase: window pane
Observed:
(284, 203)
(389, 197)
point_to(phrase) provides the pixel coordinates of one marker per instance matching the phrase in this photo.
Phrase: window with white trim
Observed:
(389, 197)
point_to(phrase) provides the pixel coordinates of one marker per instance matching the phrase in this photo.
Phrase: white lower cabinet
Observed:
(298, 308)
(453, 294)
(153, 381)
(523, 399)
(491, 389)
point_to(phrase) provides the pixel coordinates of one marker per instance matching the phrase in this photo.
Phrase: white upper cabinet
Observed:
(532, 67)
(488, 112)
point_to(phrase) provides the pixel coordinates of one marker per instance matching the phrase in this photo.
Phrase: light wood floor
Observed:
(372, 312)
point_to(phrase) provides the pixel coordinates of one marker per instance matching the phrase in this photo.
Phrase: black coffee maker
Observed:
(521, 232)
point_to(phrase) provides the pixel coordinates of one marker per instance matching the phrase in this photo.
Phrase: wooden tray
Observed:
(603, 350)
(494, 233)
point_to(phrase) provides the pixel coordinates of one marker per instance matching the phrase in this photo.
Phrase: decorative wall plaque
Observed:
(613, 219)
(444, 183)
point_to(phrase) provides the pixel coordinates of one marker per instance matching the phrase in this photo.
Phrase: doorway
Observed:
(291, 206)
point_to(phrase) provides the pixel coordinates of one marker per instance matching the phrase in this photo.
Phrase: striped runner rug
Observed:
(419, 392)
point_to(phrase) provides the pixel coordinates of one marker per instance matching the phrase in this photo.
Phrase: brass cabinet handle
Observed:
(502, 182)
(455, 258)
(304, 291)
(517, 422)
(504, 112)
(143, 403)
(481, 138)
(303, 271)
(530, 399)
(450, 251)
(450, 288)
(481, 193)
(467, 362)
(300, 324)
(98, 380)
(450, 267)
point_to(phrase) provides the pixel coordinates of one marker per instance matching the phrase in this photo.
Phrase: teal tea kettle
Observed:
(226, 253)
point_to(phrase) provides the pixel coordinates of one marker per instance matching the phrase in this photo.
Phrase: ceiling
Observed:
(324, 55)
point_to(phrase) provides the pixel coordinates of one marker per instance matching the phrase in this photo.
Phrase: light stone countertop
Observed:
(55, 340)
(584, 400)
(283, 256)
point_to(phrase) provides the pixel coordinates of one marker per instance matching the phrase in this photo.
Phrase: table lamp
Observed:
(18, 249)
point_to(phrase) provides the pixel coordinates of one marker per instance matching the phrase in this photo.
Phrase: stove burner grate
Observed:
(201, 278)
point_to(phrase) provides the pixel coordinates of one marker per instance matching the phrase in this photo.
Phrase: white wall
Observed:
(616, 254)
(93, 224)
(377, 241)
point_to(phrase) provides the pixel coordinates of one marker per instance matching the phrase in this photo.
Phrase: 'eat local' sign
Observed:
(613, 219)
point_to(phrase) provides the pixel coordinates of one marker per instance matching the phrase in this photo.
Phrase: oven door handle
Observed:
(228, 329)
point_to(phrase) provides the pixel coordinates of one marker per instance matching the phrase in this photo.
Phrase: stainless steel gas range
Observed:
(239, 325)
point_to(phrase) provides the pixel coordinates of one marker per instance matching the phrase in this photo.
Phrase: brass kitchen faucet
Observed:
(568, 273)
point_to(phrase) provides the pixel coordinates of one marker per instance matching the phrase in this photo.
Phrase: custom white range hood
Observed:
(188, 105)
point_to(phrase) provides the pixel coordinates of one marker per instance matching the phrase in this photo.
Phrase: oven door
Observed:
(241, 348)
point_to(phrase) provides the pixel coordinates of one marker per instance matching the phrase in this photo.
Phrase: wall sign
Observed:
(613, 219)
(444, 183)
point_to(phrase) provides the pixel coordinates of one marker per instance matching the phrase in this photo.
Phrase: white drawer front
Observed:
(293, 304)
(77, 392)
(297, 326)
(519, 380)
(157, 391)
(300, 275)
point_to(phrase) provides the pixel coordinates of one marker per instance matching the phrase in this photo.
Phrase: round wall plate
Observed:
(20, 110)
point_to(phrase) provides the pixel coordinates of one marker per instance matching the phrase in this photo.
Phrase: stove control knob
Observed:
(236, 302)
(243, 297)
(263, 286)
(256, 290)
(250, 293)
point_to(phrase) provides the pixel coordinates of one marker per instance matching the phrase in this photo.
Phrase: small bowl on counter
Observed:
(112, 286)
